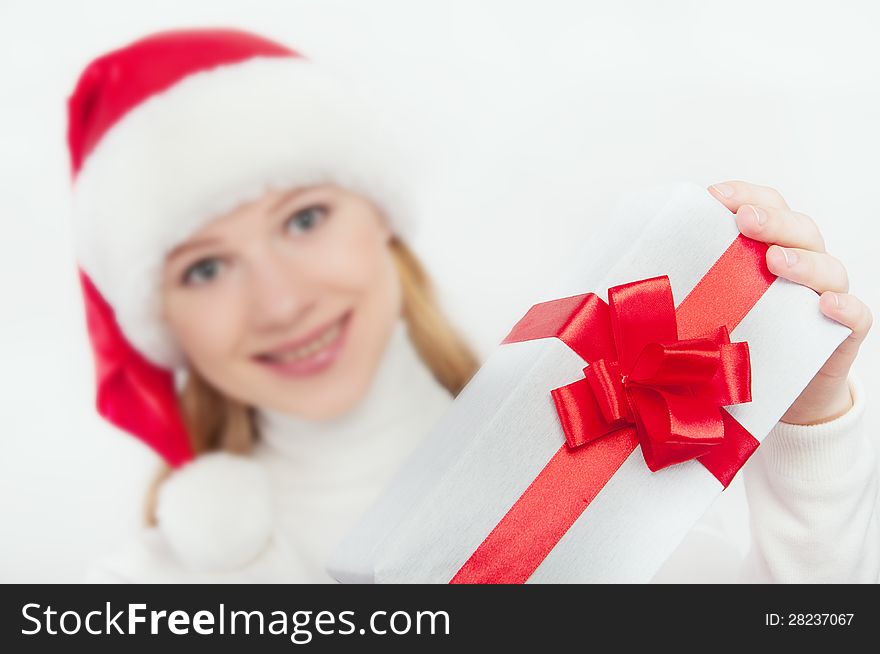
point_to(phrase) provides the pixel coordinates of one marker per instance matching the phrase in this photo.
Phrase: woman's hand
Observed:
(798, 253)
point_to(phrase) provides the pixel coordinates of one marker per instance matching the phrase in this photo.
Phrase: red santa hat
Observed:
(169, 132)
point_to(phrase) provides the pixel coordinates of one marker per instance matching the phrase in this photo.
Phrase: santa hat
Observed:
(169, 132)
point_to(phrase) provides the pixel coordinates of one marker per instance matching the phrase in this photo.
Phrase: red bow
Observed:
(670, 390)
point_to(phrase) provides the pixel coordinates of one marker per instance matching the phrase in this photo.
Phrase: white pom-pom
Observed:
(216, 511)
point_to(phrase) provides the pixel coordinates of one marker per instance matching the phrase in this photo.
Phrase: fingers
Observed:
(763, 214)
(818, 270)
(850, 311)
(782, 226)
(735, 193)
(798, 254)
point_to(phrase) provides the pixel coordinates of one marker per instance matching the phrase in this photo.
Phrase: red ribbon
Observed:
(658, 377)
(671, 390)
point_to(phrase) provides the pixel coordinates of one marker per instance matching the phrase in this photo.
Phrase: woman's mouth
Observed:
(311, 357)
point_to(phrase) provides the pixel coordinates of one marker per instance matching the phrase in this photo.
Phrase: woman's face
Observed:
(287, 302)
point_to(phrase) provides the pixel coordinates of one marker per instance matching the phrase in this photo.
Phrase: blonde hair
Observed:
(216, 422)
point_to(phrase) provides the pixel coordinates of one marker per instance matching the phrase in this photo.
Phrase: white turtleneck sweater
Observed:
(804, 508)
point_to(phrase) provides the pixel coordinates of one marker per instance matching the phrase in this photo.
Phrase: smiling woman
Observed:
(264, 269)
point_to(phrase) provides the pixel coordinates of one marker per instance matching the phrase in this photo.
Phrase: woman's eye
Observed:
(203, 271)
(306, 219)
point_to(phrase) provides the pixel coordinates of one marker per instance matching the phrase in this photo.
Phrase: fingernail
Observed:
(791, 256)
(760, 214)
(724, 190)
(839, 300)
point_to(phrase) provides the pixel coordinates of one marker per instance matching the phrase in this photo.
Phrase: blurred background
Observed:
(530, 118)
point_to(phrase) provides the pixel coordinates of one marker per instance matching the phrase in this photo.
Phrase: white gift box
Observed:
(503, 429)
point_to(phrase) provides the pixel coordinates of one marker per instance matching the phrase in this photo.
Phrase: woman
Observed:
(258, 320)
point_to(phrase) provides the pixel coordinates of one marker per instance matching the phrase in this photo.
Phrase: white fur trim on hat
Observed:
(216, 511)
(209, 143)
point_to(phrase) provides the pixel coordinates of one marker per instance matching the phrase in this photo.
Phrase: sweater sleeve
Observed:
(813, 500)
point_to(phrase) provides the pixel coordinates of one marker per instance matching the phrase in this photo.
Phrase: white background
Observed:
(531, 117)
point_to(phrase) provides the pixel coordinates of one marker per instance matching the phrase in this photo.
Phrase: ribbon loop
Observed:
(606, 384)
(642, 312)
(688, 362)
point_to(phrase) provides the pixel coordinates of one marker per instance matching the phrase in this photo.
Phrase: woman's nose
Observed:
(279, 294)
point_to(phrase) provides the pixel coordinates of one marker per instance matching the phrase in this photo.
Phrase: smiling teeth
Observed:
(310, 348)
